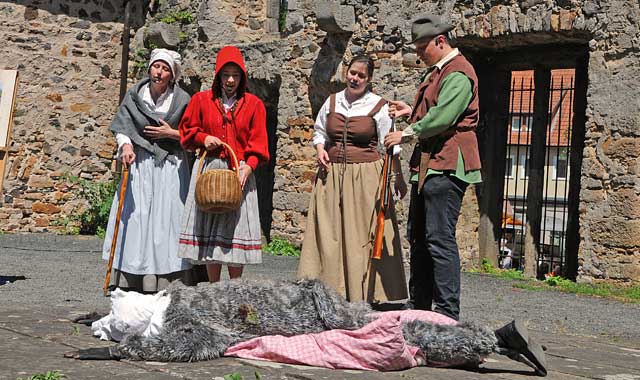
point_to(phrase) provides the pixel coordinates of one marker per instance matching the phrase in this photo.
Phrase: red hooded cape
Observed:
(245, 130)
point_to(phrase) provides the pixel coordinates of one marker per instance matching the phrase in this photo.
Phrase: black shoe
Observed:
(408, 306)
(98, 353)
(87, 319)
(514, 337)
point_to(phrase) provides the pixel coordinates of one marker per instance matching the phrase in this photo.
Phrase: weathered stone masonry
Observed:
(68, 57)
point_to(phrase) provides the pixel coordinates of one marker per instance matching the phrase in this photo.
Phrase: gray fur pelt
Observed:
(202, 322)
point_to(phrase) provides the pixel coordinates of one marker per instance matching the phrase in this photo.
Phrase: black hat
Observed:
(428, 25)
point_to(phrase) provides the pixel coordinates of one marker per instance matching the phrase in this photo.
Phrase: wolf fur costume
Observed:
(201, 322)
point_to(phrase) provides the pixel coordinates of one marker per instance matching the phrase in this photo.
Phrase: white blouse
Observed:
(360, 107)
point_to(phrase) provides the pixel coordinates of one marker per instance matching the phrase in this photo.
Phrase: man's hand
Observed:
(245, 172)
(127, 156)
(398, 108)
(392, 139)
(164, 131)
(212, 142)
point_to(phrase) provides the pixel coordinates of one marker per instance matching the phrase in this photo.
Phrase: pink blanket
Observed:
(378, 346)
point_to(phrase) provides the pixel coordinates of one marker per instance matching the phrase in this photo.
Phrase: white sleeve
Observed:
(320, 127)
(383, 124)
(122, 139)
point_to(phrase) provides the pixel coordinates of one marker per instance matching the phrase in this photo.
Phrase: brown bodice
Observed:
(352, 139)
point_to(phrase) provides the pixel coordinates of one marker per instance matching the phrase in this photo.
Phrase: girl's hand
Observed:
(245, 172)
(212, 142)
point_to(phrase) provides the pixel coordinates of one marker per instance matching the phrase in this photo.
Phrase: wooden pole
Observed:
(114, 238)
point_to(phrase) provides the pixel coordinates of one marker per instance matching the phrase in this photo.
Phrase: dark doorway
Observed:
(269, 92)
(531, 136)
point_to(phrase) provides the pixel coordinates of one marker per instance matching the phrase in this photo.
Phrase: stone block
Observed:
(39, 181)
(291, 201)
(80, 107)
(555, 22)
(54, 97)
(335, 18)
(42, 222)
(412, 60)
(593, 168)
(625, 202)
(300, 121)
(622, 148)
(34, 196)
(615, 232)
(271, 25)
(592, 196)
(163, 35)
(45, 208)
(566, 19)
(295, 22)
(30, 13)
(273, 8)
(301, 134)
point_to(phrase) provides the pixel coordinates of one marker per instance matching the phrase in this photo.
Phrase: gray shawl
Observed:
(133, 115)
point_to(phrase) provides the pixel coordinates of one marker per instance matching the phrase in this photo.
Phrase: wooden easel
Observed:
(9, 83)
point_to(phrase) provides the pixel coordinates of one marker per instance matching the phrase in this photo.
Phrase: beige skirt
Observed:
(339, 237)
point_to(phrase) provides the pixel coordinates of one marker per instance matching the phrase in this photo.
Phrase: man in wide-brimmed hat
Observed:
(445, 160)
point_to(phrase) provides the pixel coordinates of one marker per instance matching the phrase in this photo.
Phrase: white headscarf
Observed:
(170, 57)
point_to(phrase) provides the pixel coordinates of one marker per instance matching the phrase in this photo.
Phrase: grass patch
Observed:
(607, 290)
(281, 247)
(49, 375)
(237, 376)
(507, 274)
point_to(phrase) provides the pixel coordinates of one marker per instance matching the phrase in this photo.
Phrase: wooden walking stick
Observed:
(114, 239)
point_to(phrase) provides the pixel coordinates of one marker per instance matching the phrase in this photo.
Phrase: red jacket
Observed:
(245, 131)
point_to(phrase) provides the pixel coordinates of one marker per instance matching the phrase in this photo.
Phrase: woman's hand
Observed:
(164, 131)
(212, 142)
(127, 156)
(399, 108)
(245, 172)
(323, 156)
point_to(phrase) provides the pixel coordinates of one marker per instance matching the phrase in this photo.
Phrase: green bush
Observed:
(99, 196)
(282, 16)
(182, 17)
(281, 247)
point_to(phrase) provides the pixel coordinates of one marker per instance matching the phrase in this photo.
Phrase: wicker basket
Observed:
(218, 190)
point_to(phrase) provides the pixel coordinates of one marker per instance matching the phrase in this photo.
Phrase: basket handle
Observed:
(234, 159)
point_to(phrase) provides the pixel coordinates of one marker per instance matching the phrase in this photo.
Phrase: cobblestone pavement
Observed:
(587, 338)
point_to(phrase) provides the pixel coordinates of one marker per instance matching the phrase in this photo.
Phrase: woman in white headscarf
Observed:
(146, 129)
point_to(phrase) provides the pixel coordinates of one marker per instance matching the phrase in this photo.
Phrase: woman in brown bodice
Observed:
(348, 133)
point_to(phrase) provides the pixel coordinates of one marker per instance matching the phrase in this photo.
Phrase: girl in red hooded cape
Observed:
(225, 113)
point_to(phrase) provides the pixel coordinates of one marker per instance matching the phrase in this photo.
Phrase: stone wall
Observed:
(296, 69)
(67, 55)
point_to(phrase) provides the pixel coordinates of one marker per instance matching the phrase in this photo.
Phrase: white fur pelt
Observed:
(202, 322)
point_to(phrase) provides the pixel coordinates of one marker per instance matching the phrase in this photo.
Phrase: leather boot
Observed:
(514, 342)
